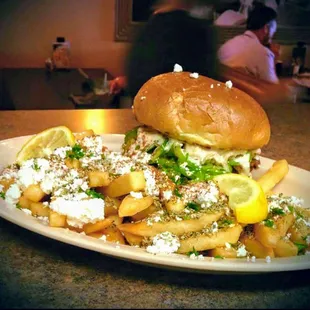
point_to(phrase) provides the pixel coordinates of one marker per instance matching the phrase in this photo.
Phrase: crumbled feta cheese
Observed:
(177, 68)
(167, 195)
(103, 238)
(32, 171)
(229, 84)
(137, 195)
(79, 212)
(43, 219)
(62, 151)
(208, 196)
(241, 251)
(227, 245)
(165, 242)
(27, 211)
(212, 86)
(151, 186)
(194, 75)
(198, 257)
(268, 259)
(214, 227)
(13, 194)
(253, 259)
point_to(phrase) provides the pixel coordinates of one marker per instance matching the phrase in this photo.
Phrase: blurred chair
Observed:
(264, 92)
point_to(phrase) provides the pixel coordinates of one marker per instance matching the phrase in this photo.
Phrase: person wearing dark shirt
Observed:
(171, 36)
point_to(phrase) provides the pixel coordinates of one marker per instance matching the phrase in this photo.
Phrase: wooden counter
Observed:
(42, 273)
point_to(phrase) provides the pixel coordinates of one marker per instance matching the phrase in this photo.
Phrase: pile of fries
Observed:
(141, 204)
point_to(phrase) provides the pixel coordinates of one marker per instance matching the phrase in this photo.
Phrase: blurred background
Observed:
(96, 36)
(28, 29)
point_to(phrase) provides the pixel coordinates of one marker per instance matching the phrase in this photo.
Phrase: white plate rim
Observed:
(137, 255)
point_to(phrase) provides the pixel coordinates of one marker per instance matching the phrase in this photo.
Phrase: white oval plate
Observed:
(296, 183)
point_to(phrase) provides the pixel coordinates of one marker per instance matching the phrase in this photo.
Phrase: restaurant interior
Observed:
(42, 88)
(98, 35)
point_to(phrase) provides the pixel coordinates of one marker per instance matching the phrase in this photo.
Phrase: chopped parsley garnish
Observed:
(76, 152)
(226, 222)
(299, 215)
(219, 256)
(301, 247)
(151, 148)
(18, 206)
(132, 169)
(36, 167)
(2, 195)
(137, 147)
(233, 163)
(177, 193)
(175, 162)
(269, 223)
(192, 252)
(131, 134)
(194, 206)
(92, 193)
(291, 208)
(277, 211)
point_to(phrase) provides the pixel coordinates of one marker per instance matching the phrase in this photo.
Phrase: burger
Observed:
(194, 127)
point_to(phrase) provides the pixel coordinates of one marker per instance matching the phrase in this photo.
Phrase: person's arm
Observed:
(266, 68)
(117, 85)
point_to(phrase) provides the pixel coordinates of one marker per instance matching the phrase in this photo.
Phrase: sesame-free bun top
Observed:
(202, 111)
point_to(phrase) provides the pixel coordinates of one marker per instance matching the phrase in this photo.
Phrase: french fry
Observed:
(111, 206)
(274, 175)
(223, 251)
(144, 213)
(203, 242)
(285, 248)
(72, 163)
(256, 248)
(24, 202)
(298, 233)
(100, 225)
(269, 236)
(132, 239)
(113, 234)
(131, 206)
(39, 209)
(174, 226)
(116, 219)
(83, 134)
(98, 178)
(133, 181)
(175, 205)
(56, 219)
(97, 234)
(34, 193)
(6, 183)
(74, 228)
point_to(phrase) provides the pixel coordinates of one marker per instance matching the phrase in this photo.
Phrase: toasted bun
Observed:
(202, 111)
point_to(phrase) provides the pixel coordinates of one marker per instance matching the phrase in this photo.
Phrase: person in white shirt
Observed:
(249, 51)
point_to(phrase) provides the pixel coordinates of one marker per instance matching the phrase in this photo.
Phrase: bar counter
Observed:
(38, 272)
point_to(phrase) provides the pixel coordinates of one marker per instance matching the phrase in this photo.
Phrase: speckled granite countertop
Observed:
(38, 272)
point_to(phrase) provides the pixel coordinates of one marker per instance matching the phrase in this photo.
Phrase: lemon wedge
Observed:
(245, 197)
(45, 142)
